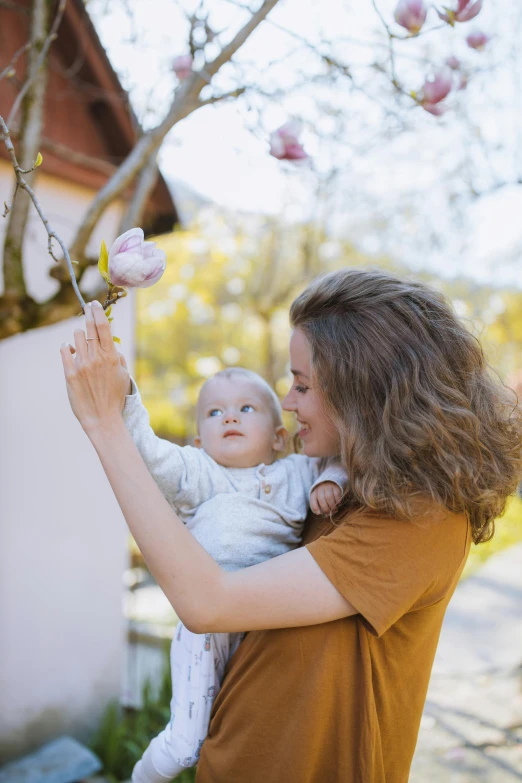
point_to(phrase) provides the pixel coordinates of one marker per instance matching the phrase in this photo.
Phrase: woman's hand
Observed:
(96, 376)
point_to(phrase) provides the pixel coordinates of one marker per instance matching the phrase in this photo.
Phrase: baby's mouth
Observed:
(232, 433)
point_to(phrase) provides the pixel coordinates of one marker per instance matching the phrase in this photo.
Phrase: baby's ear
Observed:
(197, 442)
(280, 438)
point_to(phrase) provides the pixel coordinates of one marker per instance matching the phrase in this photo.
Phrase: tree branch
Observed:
(39, 62)
(9, 69)
(222, 97)
(144, 187)
(51, 234)
(239, 39)
(185, 102)
(31, 98)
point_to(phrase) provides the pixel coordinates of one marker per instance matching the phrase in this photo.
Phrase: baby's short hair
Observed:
(271, 397)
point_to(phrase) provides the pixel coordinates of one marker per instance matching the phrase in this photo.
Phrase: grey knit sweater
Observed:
(241, 516)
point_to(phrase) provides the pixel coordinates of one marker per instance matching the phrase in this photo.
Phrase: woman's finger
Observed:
(103, 328)
(92, 334)
(93, 338)
(123, 361)
(80, 343)
(66, 351)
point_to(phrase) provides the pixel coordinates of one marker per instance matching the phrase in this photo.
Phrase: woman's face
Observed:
(316, 429)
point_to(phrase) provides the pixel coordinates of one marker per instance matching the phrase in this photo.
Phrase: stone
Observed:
(63, 760)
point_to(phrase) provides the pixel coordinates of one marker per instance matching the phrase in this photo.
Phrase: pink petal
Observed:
(153, 275)
(453, 63)
(294, 152)
(149, 248)
(126, 268)
(129, 241)
(434, 108)
(182, 66)
(437, 87)
(290, 130)
(411, 14)
(445, 17)
(469, 11)
(477, 40)
(277, 145)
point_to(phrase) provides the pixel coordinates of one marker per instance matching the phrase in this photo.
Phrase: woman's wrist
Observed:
(103, 429)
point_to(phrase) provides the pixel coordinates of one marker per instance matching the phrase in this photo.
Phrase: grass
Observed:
(508, 531)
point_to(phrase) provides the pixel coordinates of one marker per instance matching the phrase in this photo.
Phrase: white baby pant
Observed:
(197, 664)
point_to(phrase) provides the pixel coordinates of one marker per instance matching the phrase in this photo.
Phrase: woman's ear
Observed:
(280, 438)
(197, 442)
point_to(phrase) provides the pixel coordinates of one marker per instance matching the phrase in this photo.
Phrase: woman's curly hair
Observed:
(419, 412)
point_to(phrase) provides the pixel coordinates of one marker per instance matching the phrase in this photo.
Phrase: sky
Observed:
(411, 184)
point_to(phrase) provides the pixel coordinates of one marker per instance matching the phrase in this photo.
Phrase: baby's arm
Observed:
(182, 473)
(327, 490)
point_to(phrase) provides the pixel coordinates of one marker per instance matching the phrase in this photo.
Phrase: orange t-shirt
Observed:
(341, 702)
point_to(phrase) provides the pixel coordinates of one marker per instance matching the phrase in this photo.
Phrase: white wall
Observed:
(62, 536)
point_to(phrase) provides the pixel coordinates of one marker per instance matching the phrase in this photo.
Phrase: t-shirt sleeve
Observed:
(386, 567)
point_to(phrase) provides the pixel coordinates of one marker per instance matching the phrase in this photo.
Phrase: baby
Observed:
(243, 506)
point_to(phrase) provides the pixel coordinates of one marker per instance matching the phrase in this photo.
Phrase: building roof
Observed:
(89, 126)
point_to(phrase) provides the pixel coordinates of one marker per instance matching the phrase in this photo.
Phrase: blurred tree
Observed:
(224, 301)
(353, 92)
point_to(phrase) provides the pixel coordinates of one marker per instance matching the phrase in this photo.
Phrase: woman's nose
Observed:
(289, 402)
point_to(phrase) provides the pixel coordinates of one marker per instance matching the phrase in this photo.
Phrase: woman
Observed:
(387, 378)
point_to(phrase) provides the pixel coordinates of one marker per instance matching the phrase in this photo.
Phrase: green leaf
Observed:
(108, 311)
(103, 262)
(39, 160)
(111, 320)
(116, 339)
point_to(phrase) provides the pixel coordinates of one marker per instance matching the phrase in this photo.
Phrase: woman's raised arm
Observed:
(290, 590)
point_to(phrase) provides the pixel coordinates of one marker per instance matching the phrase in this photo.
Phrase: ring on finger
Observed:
(92, 338)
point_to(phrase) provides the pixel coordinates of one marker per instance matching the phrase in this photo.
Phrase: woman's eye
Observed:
(214, 412)
(300, 389)
(247, 408)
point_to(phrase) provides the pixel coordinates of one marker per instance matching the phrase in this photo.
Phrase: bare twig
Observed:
(41, 59)
(223, 97)
(10, 68)
(21, 183)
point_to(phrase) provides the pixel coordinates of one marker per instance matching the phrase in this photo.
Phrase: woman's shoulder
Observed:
(430, 526)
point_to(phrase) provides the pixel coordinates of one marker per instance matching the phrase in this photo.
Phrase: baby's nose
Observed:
(230, 416)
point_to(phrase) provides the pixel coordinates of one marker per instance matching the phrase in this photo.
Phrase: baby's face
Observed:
(236, 425)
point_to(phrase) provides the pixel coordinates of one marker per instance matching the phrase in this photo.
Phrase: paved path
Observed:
(472, 725)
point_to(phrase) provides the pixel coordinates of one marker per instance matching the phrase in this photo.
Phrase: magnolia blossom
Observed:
(477, 40)
(411, 14)
(182, 66)
(434, 90)
(465, 10)
(284, 142)
(453, 63)
(134, 263)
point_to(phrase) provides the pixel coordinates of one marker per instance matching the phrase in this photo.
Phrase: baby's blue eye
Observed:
(243, 409)
(214, 412)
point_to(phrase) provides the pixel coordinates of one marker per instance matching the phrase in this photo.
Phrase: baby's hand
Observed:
(325, 498)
